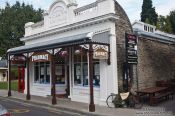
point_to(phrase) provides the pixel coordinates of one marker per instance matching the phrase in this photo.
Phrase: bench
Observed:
(162, 96)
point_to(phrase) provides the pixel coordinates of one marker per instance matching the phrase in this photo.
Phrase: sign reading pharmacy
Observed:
(40, 57)
(100, 53)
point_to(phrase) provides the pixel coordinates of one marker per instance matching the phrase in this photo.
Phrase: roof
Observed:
(62, 42)
(3, 64)
(155, 36)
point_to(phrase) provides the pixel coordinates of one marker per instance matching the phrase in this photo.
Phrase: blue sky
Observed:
(132, 7)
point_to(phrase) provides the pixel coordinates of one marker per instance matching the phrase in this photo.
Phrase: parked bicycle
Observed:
(124, 100)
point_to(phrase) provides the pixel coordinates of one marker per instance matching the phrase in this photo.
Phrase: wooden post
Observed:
(91, 105)
(53, 90)
(9, 76)
(28, 78)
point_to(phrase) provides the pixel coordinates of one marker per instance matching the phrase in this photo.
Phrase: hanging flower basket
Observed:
(63, 54)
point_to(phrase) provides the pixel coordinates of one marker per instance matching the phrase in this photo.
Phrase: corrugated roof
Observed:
(62, 42)
(155, 36)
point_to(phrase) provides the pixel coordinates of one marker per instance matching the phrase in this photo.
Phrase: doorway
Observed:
(21, 79)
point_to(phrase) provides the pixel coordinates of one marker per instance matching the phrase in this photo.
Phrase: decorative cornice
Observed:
(77, 25)
(38, 24)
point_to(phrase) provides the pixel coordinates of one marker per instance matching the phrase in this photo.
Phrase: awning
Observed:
(85, 38)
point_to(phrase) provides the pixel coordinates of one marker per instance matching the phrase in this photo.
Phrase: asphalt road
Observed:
(25, 109)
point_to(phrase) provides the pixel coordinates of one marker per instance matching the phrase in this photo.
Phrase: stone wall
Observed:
(154, 57)
(154, 62)
(122, 25)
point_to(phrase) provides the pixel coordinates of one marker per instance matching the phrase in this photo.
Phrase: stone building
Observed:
(156, 55)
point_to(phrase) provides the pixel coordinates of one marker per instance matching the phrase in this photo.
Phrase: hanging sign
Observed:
(41, 57)
(100, 53)
(131, 49)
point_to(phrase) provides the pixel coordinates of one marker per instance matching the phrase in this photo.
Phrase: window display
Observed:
(60, 73)
(42, 72)
(81, 68)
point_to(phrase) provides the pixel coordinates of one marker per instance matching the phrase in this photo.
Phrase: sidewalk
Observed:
(82, 108)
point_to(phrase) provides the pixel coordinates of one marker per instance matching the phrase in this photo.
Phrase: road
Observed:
(26, 109)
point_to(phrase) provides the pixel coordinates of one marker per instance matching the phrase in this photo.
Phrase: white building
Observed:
(69, 32)
(3, 70)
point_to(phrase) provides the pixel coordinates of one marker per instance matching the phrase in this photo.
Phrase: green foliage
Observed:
(14, 85)
(148, 12)
(167, 23)
(147, 21)
(12, 21)
(172, 20)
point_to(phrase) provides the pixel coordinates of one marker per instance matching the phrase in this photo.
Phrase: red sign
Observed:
(41, 57)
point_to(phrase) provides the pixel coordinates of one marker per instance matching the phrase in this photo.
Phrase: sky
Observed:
(132, 7)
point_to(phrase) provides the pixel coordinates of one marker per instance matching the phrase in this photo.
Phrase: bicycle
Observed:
(124, 100)
(110, 100)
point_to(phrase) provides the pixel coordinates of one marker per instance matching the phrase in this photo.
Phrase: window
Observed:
(60, 73)
(81, 68)
(96, 77)
(151, 29)
(42, 72)
(61, 60)
(145, 27)
(148, 29)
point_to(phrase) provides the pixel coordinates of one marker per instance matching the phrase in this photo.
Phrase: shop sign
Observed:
(100, 53)
(40, 57)
(131, 49)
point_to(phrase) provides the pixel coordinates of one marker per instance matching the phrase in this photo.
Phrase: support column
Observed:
(91, 105)
(9, 76)
(28, 79)
(53, 90)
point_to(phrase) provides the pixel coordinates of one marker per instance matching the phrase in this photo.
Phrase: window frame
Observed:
(38, 65)
(83, 78)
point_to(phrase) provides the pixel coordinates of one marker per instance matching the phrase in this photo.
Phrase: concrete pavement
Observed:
(164, 109)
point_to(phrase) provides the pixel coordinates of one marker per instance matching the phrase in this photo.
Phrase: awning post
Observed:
(9, 76)
(28, 78)
(91, 105)
(53, 90)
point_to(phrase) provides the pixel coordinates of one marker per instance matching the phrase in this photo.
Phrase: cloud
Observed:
(132, 7)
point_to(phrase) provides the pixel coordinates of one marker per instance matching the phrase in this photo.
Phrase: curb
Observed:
(44, 105)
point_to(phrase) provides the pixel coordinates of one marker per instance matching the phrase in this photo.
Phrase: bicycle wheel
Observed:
(110, 101)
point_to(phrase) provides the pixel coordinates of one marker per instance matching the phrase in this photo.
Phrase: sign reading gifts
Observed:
(100, 53)
(41, 57)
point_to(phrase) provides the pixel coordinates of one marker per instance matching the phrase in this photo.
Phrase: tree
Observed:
(172, 20)
(148, 12)
(12, 21)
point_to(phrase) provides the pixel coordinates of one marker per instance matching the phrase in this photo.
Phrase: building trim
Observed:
(85, 23)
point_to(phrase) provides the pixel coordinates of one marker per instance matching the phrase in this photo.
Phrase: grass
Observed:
(14, 85)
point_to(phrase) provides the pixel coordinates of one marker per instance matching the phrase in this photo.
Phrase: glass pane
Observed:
(60, 74)
(48, 74)
(36, 74)
(85, 74)
(77, 74)
(96, 78)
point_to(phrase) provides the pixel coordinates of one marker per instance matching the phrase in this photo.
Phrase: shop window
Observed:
(60, 73)
(81, 68)
(42, 72)
(96, 77)
(61, 59)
